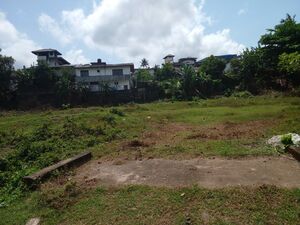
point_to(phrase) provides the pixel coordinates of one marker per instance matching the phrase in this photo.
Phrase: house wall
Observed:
(100, 71)
(114, 82)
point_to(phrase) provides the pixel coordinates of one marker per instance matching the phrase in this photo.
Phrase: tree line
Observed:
(273, 65)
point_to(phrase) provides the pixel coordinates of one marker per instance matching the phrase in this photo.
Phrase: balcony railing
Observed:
(103, 78)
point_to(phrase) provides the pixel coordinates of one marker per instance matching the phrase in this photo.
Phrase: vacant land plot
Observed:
(226, 128)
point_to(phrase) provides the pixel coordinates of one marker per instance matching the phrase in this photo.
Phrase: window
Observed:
(98, 71)
(125, 87)
(117, 72)
(84, 73)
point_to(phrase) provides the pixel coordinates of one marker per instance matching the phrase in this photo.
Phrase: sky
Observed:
(122, 31)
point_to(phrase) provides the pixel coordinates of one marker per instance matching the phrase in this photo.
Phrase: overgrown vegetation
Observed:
(46, 144)
(139, 205)
(217, 127)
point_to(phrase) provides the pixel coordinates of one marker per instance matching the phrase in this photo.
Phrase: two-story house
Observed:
(100, 75)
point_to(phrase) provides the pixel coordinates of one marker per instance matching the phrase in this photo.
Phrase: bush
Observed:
(242, 94)
(286, 140)
(110, 119)
(117, 112)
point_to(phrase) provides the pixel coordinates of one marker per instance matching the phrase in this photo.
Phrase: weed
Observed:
(110, 119)
(117, 112)
(59, 198)
(286, 140)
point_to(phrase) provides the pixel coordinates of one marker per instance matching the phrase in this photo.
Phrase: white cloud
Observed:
(47, 24)
(16, 44)
(241, 12)
(132, 29)
(75, 56)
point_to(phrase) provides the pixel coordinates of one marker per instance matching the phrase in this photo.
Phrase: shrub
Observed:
(242, 94)
(42, 133)
(117, 112)
(286, 140)
(110, 119)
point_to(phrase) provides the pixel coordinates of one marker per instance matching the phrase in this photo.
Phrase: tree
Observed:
(290, 65)
(213, 66)
(44, 78)
(188, 81)
(6, 69)
(65, 86)
(166, 72)
(144, 63)
(284, 38)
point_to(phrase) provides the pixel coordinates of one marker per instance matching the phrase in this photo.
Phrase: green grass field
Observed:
(225, 127)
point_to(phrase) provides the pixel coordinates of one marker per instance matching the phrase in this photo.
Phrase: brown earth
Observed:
(170, 134)
(207, 173)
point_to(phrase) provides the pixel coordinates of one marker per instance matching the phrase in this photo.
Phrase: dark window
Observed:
(125, 87)
(84, 73)
(98, 71)
(117, 72)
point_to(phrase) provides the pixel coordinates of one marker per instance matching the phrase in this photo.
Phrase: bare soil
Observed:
(207, 173)
(170, 134)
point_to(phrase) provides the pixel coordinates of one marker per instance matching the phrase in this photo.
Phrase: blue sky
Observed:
(126, 31)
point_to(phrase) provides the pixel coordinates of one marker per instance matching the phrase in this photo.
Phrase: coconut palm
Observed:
(144, 63)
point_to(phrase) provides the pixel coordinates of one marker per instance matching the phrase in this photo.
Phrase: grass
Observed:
(146, 205)
(32, 140)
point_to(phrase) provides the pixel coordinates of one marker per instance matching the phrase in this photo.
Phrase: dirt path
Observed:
(208, 173)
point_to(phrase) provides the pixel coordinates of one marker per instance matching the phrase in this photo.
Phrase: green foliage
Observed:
(117, 112)
(6, 69)
(166, 72)
(290, 65)
(286, 140)
(143, 75)
(283, 38)
(65, 86)
(110, 119)
(144, 63)
(213, 66)
(242, 94)
(189, 87)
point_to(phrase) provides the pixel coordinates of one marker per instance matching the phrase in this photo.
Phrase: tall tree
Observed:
(6, 68)
(213, 66)
(144, 63)
(284, 37)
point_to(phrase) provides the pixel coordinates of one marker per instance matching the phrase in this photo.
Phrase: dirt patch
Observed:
(207, 173)
(229, 130)
(170, 134)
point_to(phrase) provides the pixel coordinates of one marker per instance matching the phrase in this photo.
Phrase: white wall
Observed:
(107, 71)
(120, 86)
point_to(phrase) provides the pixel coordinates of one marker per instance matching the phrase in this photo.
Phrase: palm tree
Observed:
(144, 63)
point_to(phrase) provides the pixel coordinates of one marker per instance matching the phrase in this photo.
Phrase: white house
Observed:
(100, 75)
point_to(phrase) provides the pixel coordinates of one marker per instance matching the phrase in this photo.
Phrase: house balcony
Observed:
(103, 78)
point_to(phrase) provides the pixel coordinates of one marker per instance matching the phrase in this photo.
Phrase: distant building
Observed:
(51, 57)
(192, 61)
(99, 75)
(169, 58)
